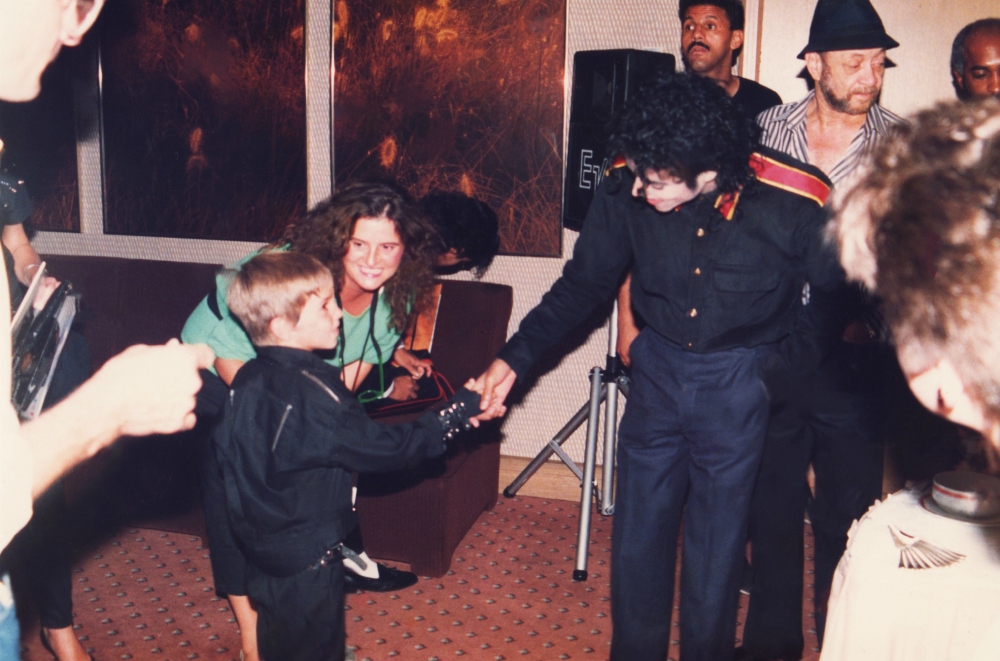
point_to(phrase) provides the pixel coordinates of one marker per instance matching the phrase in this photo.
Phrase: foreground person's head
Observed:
(31, 34)
(922, 229)
(682, 137)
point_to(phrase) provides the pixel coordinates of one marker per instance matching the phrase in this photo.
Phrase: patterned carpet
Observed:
(147, 594)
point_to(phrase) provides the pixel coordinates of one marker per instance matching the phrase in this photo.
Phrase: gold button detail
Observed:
(693, 313)
(697, 271)
(700, 232)
(690, 345)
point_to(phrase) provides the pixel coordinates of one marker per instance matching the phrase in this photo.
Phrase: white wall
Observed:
(923, 28)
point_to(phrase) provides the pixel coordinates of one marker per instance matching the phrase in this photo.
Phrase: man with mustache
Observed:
(711, 40)
(975, 60)
(826, 417)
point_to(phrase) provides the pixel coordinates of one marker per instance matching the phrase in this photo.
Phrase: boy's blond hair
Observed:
(271, 285)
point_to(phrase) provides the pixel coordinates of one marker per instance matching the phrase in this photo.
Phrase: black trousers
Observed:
(42, 552)
(689, 445)
(300, 617)
(831, 419)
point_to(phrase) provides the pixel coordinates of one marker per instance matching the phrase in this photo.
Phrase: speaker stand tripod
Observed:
(604, 387)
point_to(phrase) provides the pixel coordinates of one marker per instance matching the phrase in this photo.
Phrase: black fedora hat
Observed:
(846, 25)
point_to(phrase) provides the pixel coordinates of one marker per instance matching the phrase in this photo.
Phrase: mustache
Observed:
(697, 43)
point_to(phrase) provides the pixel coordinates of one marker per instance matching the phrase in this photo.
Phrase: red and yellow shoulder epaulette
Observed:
(617, 163)
(787, 176)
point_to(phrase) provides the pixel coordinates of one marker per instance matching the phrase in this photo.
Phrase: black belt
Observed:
(337, 552)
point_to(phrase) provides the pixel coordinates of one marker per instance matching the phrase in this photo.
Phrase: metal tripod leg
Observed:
(554, 446)
(605, 385)
(606, 495)
(586, 487)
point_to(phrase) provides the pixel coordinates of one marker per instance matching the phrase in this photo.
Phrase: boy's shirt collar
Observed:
(291, 357)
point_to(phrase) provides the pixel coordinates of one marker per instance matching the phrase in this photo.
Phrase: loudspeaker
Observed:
(603, 83)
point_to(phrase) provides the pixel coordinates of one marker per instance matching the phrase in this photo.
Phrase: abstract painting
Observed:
(204, 117)
(460, 95)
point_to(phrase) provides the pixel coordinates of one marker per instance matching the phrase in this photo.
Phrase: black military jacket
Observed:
(290, 436)
(718, 273)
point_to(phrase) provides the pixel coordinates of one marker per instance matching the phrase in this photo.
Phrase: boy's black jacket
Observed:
(289, 438)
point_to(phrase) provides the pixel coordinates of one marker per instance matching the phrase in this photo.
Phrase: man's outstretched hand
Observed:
(494, 385)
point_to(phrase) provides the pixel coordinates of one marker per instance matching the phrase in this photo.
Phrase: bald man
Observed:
(975, 60)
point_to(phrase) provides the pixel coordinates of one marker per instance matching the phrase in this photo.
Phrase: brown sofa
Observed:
(417, 516)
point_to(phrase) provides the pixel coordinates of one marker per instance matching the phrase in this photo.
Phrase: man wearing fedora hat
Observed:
(825, 417)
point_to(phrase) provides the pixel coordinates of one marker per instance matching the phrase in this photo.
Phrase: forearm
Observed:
(68, 433)
(26, 260)
(143, 390)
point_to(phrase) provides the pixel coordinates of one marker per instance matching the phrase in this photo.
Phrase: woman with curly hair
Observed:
(374, 240)
(381, 249)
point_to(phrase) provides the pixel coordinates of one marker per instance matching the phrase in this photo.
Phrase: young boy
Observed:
(290, 436)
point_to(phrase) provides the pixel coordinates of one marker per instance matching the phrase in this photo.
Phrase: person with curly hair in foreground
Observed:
(921, 228)
(721, 237)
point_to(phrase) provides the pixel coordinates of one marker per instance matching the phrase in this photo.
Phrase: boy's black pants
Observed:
(300, 617)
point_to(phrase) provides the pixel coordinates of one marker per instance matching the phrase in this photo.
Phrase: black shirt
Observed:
(700, 280)
(15, 208)
(289, 438)
(753, 98)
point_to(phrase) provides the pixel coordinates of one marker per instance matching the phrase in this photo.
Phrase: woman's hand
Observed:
(404, 388)
(45, 291)
(417, 367)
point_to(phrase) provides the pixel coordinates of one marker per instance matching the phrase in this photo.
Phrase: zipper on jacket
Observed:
(281, 425)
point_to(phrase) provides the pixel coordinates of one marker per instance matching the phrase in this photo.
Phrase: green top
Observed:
(228, 340)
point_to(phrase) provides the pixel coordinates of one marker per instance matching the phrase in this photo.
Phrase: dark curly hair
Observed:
(324, 233)
(686, 125)
(466, 224)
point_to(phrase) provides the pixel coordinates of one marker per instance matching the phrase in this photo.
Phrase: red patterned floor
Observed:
(146, 594)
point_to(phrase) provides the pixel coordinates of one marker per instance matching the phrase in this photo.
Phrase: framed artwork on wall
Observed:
(203, 108)
(459, 95)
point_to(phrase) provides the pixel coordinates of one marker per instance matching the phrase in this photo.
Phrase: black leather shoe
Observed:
(389, 580)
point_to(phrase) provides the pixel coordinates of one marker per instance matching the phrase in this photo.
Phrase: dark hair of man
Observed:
(325, 232)
(958, 45)
(733, 8)
(734, 14)
(465, 224)
(929, 212)
(685, 125)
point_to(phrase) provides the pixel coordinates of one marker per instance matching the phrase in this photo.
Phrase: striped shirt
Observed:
(784, 129)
